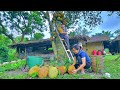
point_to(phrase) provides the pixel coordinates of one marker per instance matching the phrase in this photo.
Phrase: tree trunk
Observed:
(57, 46)
(47, 16)
(22, 37)
(53, 42)
(61, 53)
(13, 41)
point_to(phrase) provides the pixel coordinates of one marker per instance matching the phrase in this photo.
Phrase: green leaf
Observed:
(50, 49)
(59, 72)
(34, 75)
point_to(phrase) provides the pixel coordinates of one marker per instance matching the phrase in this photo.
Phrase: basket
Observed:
(97, 63)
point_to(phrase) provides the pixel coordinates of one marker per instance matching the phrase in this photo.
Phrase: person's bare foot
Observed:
(82, 72)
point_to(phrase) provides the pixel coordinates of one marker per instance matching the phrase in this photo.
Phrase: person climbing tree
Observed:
(63, 34)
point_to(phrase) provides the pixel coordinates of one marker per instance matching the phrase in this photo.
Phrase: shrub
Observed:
(3, 54)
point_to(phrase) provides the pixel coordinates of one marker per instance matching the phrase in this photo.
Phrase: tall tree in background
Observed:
(38, 36)
(4, 41)
(97, 34)
(108, 33)
(83, 31)
(117, 32)
(72, 34)
(18, 39)
(20, 23)
(80, 32)
(104, 33)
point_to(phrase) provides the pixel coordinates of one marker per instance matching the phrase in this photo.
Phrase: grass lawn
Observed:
(110, 66)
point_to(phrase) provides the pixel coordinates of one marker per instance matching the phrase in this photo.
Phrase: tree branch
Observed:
(45, 14)
(17, 24)
(9, 36)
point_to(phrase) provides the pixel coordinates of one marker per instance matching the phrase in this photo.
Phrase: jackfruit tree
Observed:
(20, 23)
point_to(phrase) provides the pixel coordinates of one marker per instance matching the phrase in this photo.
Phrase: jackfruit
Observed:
(43, 72)
(33, 70)
(62, 14)
(55, 34)
(53, 72)
(60, 19)
(58, 15)
(53, 21)
(62, 69)
(70, 69)
(51, 38)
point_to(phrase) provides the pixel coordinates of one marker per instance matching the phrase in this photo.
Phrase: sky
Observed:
(110, 23)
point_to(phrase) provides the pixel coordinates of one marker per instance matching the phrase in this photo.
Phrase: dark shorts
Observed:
(88, 64)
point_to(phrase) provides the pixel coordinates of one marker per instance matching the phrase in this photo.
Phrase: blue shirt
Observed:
(82, 54)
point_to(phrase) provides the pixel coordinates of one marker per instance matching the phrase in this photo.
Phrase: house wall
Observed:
(33, 50)
(93, 46)
(116, 46)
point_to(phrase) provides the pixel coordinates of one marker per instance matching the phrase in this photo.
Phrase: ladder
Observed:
(64, 44)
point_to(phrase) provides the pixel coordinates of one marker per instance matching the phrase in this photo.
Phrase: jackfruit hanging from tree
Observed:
(51, 38)
(59, 16)
(54, 34)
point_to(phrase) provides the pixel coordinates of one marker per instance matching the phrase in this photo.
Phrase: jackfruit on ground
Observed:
(34, 70)
(70, 69)
(62, 69)
(53, 72)
(43, 72)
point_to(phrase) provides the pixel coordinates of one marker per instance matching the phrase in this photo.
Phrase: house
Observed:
(115, 45)
(34, 48)
(78, 38)
(96, 43)
(39, 47)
